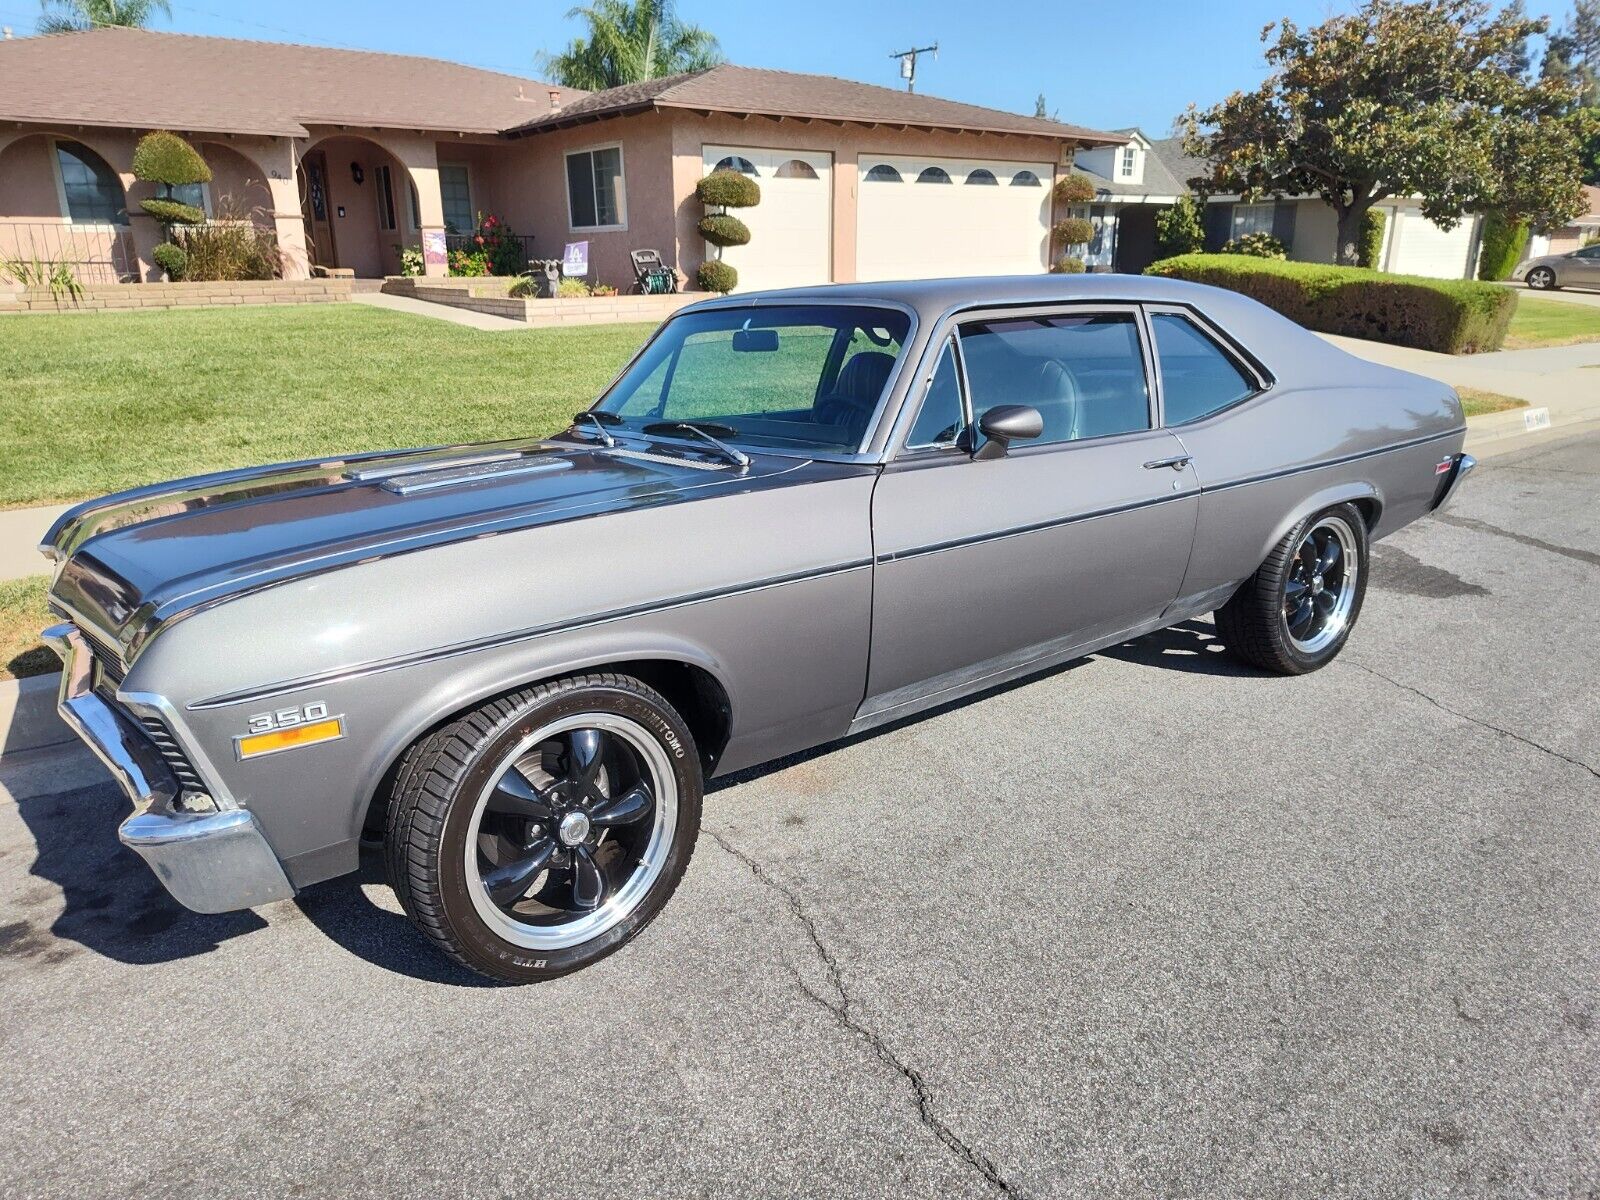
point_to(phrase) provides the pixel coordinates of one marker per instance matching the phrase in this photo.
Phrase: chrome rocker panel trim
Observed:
(211, 862)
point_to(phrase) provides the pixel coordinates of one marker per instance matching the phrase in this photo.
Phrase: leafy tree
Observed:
(1402, 97)
(1180, 229)
(1572, 54)
(630, 41)
(71, 16)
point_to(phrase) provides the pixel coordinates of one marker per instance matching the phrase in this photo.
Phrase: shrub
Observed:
(163, 157)
(728, 189)
(1504, 240)
(1074, 188)
(230, 249)
(721, 229)
(1454, 316)
(412, 261)
(499, 245)
(171, 258)
(1180, 229)
(172, 212)
(603, 289)
(717, 276)
(1255, 245)
(1068, 265)
(525, 287)
(1370, 248)
(1074, 231)
(472, 265)
(572, 289)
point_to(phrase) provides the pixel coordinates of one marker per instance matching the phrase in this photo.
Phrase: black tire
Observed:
(446, 777)
(1542, 279)
(1254, 624)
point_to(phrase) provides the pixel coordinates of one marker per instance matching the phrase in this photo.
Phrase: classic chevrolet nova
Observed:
(793, 516)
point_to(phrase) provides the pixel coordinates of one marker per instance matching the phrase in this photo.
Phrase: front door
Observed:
(986, 568)
(315, 206)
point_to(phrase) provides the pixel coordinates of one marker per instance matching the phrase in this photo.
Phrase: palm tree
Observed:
(630, 40)
(68, 16)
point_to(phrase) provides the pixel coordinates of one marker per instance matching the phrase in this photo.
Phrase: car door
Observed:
(1583, 268)
(987, 567)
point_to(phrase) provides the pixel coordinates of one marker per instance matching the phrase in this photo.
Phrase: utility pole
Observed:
(908, 63)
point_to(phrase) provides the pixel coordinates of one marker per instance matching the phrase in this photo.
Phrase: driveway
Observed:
(1151, 925)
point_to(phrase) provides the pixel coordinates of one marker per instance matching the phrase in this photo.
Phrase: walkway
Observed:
(439, 312)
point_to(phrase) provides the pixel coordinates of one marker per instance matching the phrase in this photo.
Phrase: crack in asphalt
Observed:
(1503, 732)
(1583, 556)
(839, 1009)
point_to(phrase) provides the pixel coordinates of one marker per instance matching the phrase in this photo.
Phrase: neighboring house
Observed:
(1134, 180)
(1580, 232)
(350, 155)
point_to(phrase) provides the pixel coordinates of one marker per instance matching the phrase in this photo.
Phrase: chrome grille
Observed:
(188, 779)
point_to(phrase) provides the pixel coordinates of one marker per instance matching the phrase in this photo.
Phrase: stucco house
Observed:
(351, 155)
(1136, 178)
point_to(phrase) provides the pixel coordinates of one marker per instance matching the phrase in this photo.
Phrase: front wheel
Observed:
(542, 831)
(1541, 278)
(1296, 612)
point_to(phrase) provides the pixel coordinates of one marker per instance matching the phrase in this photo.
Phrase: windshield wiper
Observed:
(606, 439)
(702, 430)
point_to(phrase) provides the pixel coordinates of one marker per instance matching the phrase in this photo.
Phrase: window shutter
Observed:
(1283, 223)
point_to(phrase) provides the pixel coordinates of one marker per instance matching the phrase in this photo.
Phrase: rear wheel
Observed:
(1296, 612)
(1541, 278)
(542, 831)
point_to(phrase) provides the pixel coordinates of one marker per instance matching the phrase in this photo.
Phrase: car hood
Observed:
(129, 561)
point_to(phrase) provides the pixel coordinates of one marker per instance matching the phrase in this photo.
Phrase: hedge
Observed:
(163, 157)
(728, 189)
(1453, 316)
(172, 212)
(724, 229)
(1504, 240)
(717, 276)
(1370, 248)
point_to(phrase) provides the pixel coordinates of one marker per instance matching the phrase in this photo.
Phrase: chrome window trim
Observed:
(912, 411)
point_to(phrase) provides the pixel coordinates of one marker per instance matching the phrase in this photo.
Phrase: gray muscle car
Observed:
(793, 516)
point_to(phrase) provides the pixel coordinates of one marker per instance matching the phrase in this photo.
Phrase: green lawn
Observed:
(1540, 322)
(22, 615)
(1476, 402)
(93, 402)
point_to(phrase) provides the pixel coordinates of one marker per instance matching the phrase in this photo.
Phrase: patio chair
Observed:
(651, 276)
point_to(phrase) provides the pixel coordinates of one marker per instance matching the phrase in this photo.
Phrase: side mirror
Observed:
(1004, 424)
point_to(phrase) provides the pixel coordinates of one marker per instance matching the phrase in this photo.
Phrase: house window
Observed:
(595, 195)
(795, 168)
(986, 178)
(934, 175)
(884, 173)
(91, 193)
(1130, 156)
(455, 192)
(735, 163)
(416, 206)
(1252, 218)
(1025, 179)
(385, 194)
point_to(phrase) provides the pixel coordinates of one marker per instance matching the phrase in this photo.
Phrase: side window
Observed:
(1197, 378)
(940, 420)
(1084, 373)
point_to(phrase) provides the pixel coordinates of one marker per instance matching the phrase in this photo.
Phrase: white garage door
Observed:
(791, 230)
(932, 217)
(1419, 247)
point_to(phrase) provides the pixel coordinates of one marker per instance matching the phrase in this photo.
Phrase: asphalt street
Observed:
(1151, 925)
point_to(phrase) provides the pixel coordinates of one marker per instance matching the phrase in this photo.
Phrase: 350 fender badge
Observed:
(288, 729)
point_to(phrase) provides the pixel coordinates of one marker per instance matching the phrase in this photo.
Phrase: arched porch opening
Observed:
(62, 202)
(359, 205)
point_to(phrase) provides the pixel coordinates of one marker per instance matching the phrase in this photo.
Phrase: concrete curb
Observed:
(28, 719)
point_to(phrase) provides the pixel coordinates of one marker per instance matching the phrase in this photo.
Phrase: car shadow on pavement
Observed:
(346, 916)
(1192, 646)
(110, 902)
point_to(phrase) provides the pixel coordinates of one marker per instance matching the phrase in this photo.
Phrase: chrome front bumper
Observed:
(1463, 467)
(211, 862)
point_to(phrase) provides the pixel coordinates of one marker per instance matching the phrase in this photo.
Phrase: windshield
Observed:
(790, 376)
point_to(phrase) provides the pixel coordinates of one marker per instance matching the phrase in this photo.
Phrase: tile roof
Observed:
(144, 79)
(728, 88)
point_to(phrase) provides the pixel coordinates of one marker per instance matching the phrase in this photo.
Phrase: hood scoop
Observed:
(457, 473)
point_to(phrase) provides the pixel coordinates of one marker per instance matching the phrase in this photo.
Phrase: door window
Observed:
(1084, 373)
(940, 420)
(1197, 377)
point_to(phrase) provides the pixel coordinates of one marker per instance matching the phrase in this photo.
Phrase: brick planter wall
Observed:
(131, 296)
(488, 296)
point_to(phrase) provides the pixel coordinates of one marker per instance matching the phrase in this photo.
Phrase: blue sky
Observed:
(1135, 62)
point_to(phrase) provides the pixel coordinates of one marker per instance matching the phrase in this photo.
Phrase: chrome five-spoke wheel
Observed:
(1320, 589)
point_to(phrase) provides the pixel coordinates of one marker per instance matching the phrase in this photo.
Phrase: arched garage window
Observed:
(1025, 179)
(737, 163)
(934, 175)
(980, 176)
(91, 189)
(884, 173)
(795, 168)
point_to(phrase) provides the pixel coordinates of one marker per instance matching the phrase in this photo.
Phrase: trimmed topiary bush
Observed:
(171, 258)
(1068, 265)
(1504, 240)
(728, 189)
(163, 157)
(1256, 245)
(718, 276)
(1074, 231)
(1370, 248)
(172, 212)
(723, 229)
(1453, 316)
(1074, 188)
(1180, 229)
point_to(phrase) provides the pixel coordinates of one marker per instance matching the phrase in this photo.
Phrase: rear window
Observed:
(1198, 377)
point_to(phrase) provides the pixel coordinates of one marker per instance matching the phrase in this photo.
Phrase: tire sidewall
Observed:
(1351, 516)
(480, 945)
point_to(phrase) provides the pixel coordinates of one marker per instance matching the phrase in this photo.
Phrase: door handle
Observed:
(1177, 462)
